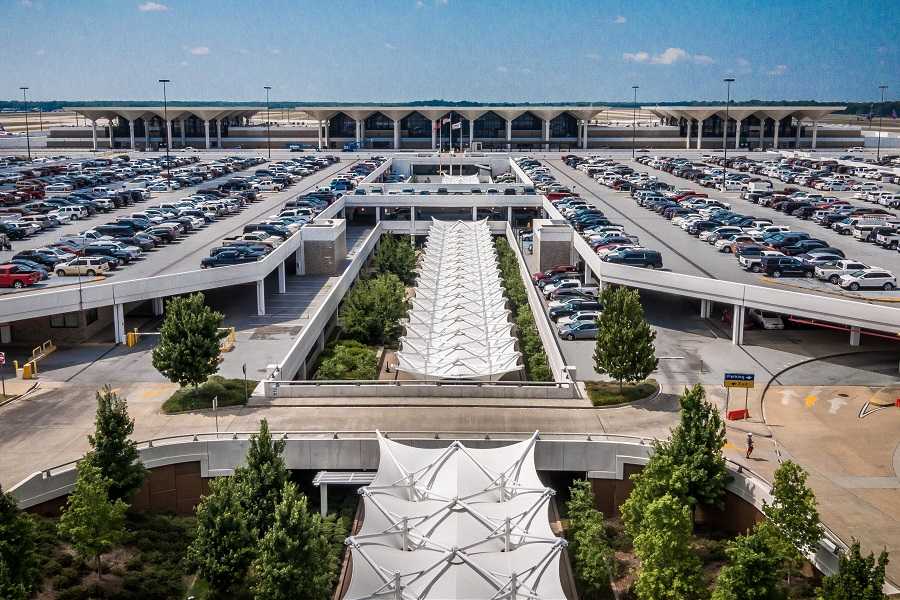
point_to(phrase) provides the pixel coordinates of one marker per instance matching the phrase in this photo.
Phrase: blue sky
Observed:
(495, 50)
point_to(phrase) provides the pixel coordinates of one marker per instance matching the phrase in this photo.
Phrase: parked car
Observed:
(17, 276)
(580, 316)
(227, 258)
(582, 330)
(84, 265)
(766, 319)
(564, 308)
(833, 271)
(785, 266)
(869, 278)
(635, 258)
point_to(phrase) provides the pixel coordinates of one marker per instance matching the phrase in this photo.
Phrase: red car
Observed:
(11, 277)
(535, 277)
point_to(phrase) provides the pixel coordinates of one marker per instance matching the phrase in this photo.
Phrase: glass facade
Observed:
(490, 125)
(565, 125)
(527, 122)
(379, 122)
(415, 126)
(342, 126)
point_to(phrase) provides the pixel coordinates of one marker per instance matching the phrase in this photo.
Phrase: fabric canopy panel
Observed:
(458, 326)
(453, 523)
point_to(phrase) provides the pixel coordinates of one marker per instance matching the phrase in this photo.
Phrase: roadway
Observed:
(184, 254)
(683, 253)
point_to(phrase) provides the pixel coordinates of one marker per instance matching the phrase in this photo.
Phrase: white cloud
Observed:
(199, 51)
(639, 57)
(619, 20)
(26, 3)
(593, 56)
(152, 7)
(275, 51)
(390, 46)
(669, 56)
(503, 69)
(41, 52)
(777, 71)
(420, 4)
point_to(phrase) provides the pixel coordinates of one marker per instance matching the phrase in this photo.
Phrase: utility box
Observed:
(553, 243)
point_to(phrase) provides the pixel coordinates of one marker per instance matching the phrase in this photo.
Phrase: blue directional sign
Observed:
(739, 380)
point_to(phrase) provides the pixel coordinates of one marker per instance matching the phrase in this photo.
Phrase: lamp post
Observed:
(27, 137)
(728, 81)
(634, 120)
(880, 117)
(166, 125)
(268, 123)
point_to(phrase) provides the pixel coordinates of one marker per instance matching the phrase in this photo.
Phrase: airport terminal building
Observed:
(487, 127)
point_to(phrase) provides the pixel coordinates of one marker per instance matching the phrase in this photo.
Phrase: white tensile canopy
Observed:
(458, 326)
(456, 523)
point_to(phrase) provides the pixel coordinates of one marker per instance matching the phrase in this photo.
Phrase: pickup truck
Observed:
(887, 237)
(256, 237)
(17, 277)
(227, 258)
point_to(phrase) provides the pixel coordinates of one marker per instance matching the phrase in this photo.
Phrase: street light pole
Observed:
(634, 121)
(268, 123)
(27, 136)
(880, 117)
(166, 125)
(728, 81)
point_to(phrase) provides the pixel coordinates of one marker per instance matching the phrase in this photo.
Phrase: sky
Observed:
(480, 50)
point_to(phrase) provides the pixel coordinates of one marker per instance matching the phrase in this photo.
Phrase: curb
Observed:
(16, 397)
(652, 396)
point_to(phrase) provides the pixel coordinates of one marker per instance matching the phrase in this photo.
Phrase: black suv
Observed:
(636, 258)
(786, 266)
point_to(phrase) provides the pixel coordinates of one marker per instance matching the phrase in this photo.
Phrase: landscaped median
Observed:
(533, 354)
(610, 393)
(230, 392)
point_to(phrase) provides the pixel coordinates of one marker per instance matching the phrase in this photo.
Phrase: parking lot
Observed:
(683, 253)
(187, 251)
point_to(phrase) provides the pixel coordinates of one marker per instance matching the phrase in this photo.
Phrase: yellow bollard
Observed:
(26, 371)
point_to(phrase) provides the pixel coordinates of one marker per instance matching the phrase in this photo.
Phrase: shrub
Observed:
(348, 359)
(372, 310)
(230, 392)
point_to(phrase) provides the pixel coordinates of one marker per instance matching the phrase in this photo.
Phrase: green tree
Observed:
(113, 452)
(91, 521)
(697, 443)
(188, 349)
(793, 513)
(296, 558)
(660, 476)
(18, 551)
(348, 359)
(625, 348)
(858, 577)
(397, 255)
(669, 568)
(224, 544)
(372, 310)
(262, 479)
(588, 545)
(753, 569)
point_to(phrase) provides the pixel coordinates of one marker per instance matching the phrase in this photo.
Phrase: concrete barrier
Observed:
(423, 389)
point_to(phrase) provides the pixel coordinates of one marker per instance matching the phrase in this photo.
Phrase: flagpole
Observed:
(450, 156)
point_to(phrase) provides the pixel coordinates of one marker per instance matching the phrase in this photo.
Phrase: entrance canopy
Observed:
(459, 326)
(456, 523)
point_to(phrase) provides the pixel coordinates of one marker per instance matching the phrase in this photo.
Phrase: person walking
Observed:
(749, 445)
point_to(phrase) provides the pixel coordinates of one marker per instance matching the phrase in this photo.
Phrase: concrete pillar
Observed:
(797, 137)
(547, 135)
(119, 323)
(146, 135)
(737, 134)
(326, 134)
(358, 132)
(737, 325)
(323, 499)
(700, 133)
(157, 304)
(94, 133)
(169, 134)
(434, 134)
(815, 131)
(184, 133)
(412, 222)
(5, 334)
(587, 274)
(319, 130)
(396, 134)
(687, 141)
(509, 214)
(854, 336)
(762, 133)
(298, 260)
(206, 132)
(474, 213)
(219, 133)
(584, 139)
(705, 309)
(112, 140)
(508, 135)
(131, 133)
(261, 297)
(775, 140)
(282, 279)
(378, 214)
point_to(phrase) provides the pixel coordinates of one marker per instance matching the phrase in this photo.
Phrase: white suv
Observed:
(869, 278)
